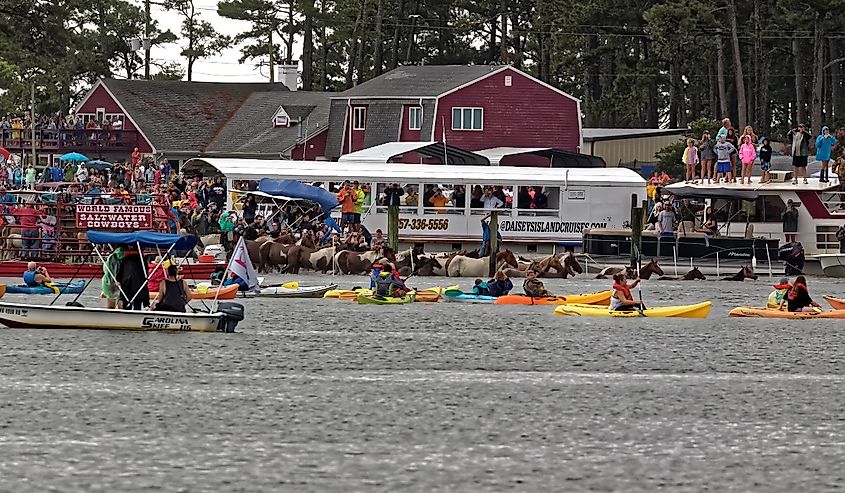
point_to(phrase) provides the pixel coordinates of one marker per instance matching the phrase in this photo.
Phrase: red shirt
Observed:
(27, 218)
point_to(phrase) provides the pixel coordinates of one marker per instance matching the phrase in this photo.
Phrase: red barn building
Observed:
(472, 107)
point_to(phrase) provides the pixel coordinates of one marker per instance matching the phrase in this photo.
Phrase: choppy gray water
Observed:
(323, 395)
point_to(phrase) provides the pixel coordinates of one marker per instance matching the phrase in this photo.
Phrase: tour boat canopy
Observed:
(389, 151)
(144, 239)
(379, 172)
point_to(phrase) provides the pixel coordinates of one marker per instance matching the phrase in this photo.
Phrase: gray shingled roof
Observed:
(183, 116)
(251, 130)
(420, 80)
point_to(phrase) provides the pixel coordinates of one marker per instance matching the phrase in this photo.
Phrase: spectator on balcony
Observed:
(70, 172)
(117, 126)
(82, 174)
(136, 156)
(17, 176)
(30, 177)
(92, 125)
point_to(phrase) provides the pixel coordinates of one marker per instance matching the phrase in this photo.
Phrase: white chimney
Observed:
(288, 75)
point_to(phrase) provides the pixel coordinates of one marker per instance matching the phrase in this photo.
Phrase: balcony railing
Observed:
(17, 140)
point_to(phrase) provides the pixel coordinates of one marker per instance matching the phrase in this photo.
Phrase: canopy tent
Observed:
(685, 192)
(144, 239)
(386, 153)
(296, 190)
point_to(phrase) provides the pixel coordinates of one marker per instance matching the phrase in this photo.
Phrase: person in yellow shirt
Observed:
(412, 198)
(439, 201)
(651, 193)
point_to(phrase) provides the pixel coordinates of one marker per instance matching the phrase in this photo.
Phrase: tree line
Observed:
(634, 63)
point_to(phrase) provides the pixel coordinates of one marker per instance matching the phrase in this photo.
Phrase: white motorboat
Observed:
(23, 315)
(832, 264)
(292, 292)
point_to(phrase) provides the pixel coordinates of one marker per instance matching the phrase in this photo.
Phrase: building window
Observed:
(359, 118)
(467, 119)
(415, 118)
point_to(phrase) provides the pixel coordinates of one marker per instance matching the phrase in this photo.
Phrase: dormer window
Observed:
(281, 118)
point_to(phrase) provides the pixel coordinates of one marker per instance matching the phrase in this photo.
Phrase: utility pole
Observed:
(147, 41)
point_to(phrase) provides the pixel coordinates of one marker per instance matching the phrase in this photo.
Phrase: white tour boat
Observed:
(578, 198)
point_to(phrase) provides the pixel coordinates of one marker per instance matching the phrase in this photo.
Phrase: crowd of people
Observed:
(730, 157)
(66, 131)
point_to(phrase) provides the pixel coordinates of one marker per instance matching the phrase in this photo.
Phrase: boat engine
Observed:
(232, 314)
(792, 254)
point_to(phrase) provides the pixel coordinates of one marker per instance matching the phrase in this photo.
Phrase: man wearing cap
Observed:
(799, 140)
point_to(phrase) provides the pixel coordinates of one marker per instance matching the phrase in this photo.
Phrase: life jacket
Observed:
(29, 278)
(376, 271)
(624, 290)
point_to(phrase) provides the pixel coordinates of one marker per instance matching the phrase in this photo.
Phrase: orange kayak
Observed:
(2, 290)
(226, 293)
(598, 298)
(752, 312)
(835, 303)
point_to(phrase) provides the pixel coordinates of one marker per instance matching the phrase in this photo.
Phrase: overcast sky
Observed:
(220, 68)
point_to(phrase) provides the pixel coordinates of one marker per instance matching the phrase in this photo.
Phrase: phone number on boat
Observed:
(431, 224)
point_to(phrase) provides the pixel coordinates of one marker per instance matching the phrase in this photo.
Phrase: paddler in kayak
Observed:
(798, 299)
(534, 287)
(387, 285)
(480, 288)
(500, 285)
(36, 276)
(621, 298)
(776, 297)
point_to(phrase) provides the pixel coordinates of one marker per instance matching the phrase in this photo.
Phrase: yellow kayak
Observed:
(426, 295)
(597, 298)
(700, 310)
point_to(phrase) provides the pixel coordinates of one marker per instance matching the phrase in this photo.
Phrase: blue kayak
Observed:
(60, 287)
(452, 295)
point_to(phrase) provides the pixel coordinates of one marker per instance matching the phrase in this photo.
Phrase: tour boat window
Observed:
(443, 198)
(766, 209)
(483, 197)
(408, 200)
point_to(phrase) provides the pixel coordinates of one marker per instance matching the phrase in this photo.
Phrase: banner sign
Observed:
(114, 216)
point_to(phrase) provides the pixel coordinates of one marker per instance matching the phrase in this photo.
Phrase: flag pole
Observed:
(445, 149)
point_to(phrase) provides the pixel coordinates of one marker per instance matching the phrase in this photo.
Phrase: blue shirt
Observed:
(58, 174)
(7, 200)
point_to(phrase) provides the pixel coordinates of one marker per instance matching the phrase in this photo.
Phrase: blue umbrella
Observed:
(98, 164)
(73, 156)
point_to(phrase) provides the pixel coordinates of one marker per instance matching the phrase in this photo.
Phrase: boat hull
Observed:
(832, 264)
(700, 310)
(20, 315)
(757, 312)
(597, 298)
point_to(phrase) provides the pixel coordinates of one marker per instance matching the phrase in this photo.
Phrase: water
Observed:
(324, 395)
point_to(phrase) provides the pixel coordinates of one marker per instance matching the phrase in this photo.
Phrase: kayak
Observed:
(455, 295)
(835, 303)
(699, 310)
(429, 295)
(385, 300)
(75, 287)
(760, 312)
(207, 293)
(597, 298)
(293, 291)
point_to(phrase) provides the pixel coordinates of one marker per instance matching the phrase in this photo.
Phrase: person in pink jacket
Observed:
(690, 159)
(747, 154)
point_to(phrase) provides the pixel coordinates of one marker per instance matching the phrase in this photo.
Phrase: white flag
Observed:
(242, 267)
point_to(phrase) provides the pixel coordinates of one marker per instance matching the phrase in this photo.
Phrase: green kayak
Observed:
(385, 300)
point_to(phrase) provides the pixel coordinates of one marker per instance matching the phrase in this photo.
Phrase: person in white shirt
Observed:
(82, 174)
(490, 201)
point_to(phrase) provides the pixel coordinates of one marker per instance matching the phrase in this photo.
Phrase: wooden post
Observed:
(636, 232)
(393, 227)
(494, 241)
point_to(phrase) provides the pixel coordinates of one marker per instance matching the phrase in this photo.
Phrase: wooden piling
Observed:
(636, 232)
(393, 227)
